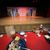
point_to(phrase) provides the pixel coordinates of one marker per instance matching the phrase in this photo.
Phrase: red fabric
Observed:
(4, 41)
(36, 43)
(33, 41)
(20, 36)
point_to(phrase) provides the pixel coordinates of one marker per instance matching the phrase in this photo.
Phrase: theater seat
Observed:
(36, 43)
(4, 41)
(32, 41)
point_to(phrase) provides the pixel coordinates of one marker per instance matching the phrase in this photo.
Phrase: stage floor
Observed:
(24, 20)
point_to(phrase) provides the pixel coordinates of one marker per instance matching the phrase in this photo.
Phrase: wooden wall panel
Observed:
(24, 27)
(2, 30)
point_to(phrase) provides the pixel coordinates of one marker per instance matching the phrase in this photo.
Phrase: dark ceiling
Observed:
(23, 2)
(41, 5)
(17, 2)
